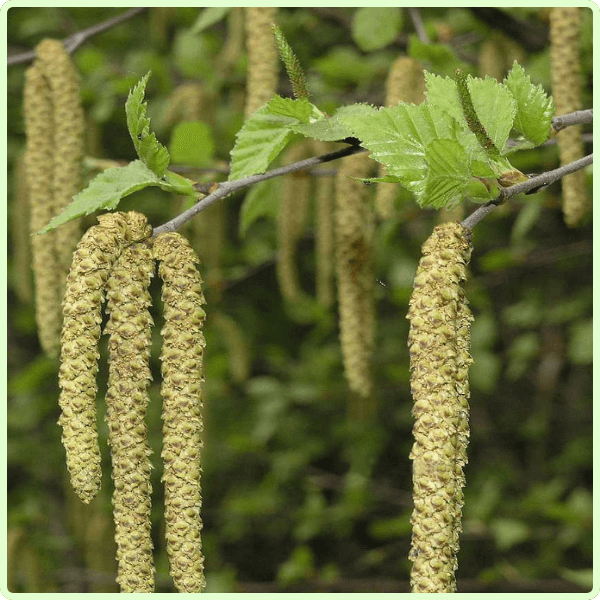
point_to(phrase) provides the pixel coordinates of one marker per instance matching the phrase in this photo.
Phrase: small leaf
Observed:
(535, 108)
(105, 191)
(148, 148)
(209, 16)
(300, 109)
(374, 28)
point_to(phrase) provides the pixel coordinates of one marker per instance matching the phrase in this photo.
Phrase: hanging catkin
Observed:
(181, 356)
(439, 341)
(68, 140)
(291, 221)
(20, 233)
(324, 242)
(262, 57)
(93, 260)
(565, 34)
(405, 83)
(37, 108)
(354, 224)
(130, 330)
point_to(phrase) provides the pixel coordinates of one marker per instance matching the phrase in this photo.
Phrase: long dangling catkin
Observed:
(262, 57)
(68, 140)
(405, 83)
(354, 224)
(37, 108)
(565, 34)
(439, 341)
(187, 102)
(93, 259)
(130, 330)
(20, 233)
(181, 356)
(291, 221)
(324, 242)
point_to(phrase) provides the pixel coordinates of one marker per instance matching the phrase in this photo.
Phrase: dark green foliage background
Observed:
(297, 495)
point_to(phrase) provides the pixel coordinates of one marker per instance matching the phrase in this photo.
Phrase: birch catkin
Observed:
(130, 330)
(262, 57)
(93, 259)
(439, 341)
(37, 107)
(181, 356)
(68, 140)
(355, 275)
(565, 33)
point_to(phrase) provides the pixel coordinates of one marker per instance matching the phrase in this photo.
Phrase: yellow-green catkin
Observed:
(68, 139)
(565, 35)
(130, 330)
(20, 233)
(354, 233)
(181, 390)
(439, 340)
(324, 241)
(93, 260)
(291, 221)
(405, 83)
(37, 107)
(262, 57)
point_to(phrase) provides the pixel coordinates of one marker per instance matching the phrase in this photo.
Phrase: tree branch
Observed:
(74, 41)
(539, 180)
(229, 187)
(579, 117)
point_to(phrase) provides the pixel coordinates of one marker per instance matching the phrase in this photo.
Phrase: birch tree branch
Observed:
(74, 41)
(229, 187)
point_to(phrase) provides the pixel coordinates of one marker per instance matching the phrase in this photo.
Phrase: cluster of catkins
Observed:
(439, 340)
(116, 260)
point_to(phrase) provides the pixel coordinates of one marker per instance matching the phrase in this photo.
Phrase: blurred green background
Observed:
(299, 494)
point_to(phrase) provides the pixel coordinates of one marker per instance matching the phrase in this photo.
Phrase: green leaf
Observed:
(448, 173)
(105, 191)
(326, 130)
(148, 148)
(263, 136)
(374, 28)
(300, 109)
(176, 184)
(535, 108)
(209, 16)
(398, 137)
(495, 107)
(192, 144)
